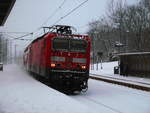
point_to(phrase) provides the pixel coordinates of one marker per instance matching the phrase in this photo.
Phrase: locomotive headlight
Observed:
(53, 65)
(83, 67)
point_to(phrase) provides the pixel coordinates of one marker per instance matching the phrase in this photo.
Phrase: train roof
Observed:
(76, 35)
(38, 38)
(133, 53)
(35, 40)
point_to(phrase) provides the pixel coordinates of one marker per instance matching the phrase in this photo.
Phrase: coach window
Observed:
(60, 44)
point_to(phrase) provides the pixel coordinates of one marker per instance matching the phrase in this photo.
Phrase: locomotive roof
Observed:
(39, 38)
(55, 33)
(35, 41)
(48, 33)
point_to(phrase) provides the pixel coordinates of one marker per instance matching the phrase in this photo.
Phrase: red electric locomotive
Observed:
(60, 57)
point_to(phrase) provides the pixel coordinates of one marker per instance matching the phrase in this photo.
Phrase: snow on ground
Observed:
(108, 70)
(115, 98)
(20, 93)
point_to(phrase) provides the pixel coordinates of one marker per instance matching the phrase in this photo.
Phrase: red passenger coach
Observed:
(60, 57)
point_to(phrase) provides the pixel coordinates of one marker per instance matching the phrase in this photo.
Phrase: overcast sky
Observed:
(28, 15)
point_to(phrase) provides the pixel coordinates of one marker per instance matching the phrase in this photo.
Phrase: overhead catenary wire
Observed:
(14, 38)
(18, 38)
(11, 37)
(54, 13)
(24, 35)
(58, 19)
(70, 12)
(24, 39)
(14, 32)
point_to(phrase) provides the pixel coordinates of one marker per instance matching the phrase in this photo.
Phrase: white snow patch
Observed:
(108, 70)
(20, 93)
(110, 98)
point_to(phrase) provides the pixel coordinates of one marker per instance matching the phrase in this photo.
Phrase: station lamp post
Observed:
(99, 56)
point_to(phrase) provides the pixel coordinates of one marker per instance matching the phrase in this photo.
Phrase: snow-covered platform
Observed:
(20, 93)
(108, 70)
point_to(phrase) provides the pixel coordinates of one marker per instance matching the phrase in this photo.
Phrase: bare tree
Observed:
(126, 26)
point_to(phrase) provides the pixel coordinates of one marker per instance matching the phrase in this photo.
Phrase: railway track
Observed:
(128, 83)
(102, 104)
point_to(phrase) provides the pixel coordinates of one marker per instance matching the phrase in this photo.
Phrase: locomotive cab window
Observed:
(68, 44)
(60, 44)
(78, 45)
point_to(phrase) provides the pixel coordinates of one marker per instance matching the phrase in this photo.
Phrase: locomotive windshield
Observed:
(67, 44)
(78, 45)
(60, 44)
